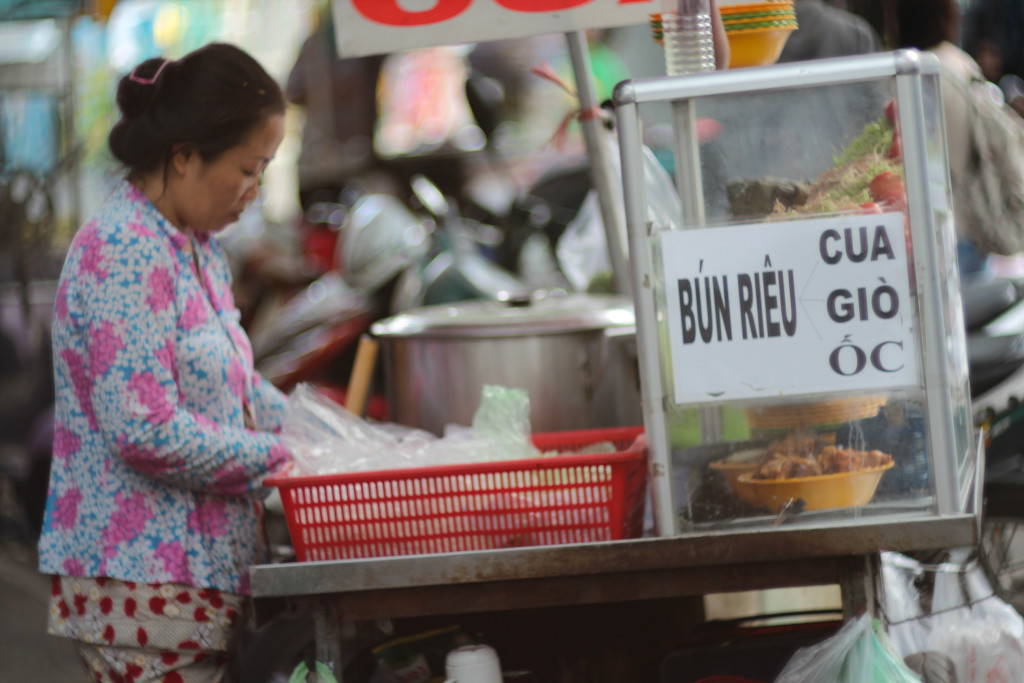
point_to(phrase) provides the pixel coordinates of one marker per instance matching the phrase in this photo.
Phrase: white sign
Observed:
(365, 27)
(789, 308)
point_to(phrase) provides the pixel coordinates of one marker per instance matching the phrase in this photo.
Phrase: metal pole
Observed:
(601, 173)
(690, 186)
(327, 629)
(687, 147)
(931, 279)
(666, 521)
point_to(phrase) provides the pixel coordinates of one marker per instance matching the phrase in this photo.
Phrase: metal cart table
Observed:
(337, 592)
(704, 546)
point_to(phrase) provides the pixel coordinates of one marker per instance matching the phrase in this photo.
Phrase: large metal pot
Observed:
(574, 354)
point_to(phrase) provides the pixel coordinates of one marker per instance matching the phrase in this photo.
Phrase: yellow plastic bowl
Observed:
(731, 471)
(756, 47)
(846, 489)
(745, 7)
(741, 20)
(760, 24)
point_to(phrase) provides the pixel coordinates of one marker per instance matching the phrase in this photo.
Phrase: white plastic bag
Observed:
(978, 632)
(904, 609)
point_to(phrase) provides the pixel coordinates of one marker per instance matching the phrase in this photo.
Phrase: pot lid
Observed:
(513, 318)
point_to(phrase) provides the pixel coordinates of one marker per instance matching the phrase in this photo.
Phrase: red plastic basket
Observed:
(553, 500)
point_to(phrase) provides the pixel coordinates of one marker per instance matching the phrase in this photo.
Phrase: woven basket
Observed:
(828, 412)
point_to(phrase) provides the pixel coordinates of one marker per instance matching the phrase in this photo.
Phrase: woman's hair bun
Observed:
(136, 91)
(208, 100)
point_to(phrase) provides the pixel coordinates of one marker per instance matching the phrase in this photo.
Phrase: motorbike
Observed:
(390, 256)
(26, 408)
(994, 317)
(29, 268)
(385, 244)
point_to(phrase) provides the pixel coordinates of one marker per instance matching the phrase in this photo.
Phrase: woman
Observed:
(163, 430)
(935, 27)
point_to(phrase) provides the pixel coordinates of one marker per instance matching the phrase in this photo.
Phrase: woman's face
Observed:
(213, 194)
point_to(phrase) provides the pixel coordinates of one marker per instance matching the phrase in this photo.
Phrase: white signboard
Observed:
(789, 308)
(365, 27)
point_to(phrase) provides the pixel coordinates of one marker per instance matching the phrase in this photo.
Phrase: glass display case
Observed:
(801, 340)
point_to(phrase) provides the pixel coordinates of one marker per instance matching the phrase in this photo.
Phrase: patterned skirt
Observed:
(146, 632)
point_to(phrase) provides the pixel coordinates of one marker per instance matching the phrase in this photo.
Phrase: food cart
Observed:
(809, 307)
(838, 325)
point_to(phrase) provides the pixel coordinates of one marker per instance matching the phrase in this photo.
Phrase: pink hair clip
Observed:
(152, 79)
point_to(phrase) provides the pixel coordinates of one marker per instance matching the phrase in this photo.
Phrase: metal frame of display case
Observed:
(907, 66)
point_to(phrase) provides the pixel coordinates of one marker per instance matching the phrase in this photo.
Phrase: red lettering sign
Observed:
(388, 12)
(367, 27)
(540, 5)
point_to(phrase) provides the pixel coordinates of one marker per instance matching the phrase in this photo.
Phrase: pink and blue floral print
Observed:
(156, 477)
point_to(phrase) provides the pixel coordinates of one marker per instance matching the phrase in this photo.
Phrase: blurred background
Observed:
(475, 119)
(60, 61)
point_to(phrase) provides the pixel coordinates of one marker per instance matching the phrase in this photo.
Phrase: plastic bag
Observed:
(977, 631)
(582, 250)
(325, 438)
(301, 674)
(858, 653)
(904, 608)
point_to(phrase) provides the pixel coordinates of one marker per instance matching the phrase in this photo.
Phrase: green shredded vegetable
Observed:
(855, 184)
(875, 137)
(845, 187)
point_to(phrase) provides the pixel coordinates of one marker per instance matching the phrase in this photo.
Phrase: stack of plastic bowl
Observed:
(757, 31)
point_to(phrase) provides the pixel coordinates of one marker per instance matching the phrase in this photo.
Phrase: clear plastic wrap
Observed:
(325, 438)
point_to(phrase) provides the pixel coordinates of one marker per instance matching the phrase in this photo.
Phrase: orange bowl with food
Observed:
(822, 492)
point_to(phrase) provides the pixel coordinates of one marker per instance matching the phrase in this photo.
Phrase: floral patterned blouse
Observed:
(156, 475)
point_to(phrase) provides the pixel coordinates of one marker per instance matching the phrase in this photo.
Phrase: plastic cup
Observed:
(689, 44)
(473, 664)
